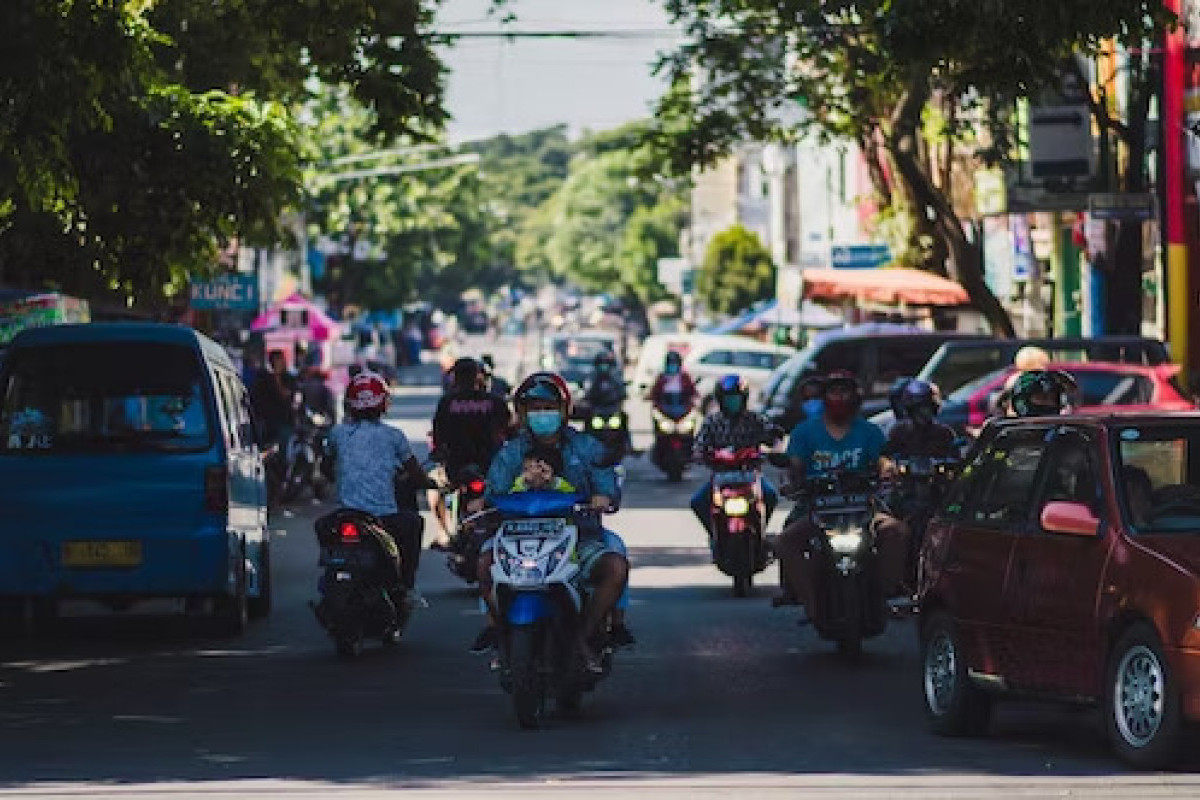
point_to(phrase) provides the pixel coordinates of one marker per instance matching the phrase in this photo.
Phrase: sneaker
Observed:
(487, 641)
(621, 636)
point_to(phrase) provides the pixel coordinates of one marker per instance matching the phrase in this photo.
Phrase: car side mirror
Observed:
(1071, 519)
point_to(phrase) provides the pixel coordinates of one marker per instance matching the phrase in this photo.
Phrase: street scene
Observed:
(666, 398)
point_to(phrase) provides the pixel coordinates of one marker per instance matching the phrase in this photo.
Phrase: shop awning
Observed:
(888, 286)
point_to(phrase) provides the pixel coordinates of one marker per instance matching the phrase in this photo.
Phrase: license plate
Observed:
(841, 501)
(736, 476)
(533, 527)
(102, 554)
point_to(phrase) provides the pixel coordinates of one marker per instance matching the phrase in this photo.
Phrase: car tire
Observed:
(953, 705)
(1141, 701)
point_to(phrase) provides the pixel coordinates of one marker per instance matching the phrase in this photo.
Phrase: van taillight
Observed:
(216, 489)
(348, 531)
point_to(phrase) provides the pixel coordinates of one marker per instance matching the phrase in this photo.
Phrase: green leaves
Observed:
(737, 272)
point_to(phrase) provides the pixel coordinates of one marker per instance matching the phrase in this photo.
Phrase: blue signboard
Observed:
(859, 256)
(226, 291)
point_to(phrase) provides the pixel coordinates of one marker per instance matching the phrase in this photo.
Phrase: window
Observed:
(104, 397)
(900, 358)
(1071, 471)
(755, 359)
(1004, 496)
(717, 358)
(845, 355)
(1159, 478)
(1113, 388)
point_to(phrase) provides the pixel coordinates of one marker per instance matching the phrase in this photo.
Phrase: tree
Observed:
(737, 272)
(139, 138)
(874, 71)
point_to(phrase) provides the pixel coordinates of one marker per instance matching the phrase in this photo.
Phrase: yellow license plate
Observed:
(102, 554)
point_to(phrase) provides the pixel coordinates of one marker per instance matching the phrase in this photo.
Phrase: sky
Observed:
(501, 86)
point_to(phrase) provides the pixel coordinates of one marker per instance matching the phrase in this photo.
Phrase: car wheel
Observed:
(1141, 701)
(953, 705)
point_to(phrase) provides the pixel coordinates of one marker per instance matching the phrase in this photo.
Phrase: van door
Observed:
(244, 465)
(1055, 582)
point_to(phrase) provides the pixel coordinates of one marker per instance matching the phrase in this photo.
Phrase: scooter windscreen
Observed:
(536, 504)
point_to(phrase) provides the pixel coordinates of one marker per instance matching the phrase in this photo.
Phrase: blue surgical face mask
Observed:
(813, 407)
(733, 405)
(544, 423)
(672, 369)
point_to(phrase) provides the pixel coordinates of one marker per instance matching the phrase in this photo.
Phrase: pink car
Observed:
(1103, 386)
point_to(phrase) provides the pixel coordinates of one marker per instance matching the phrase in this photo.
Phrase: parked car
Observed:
(712, 357)
(957, 363)
(129, 470)
(1065, 564)
(877, 354)
(1102, 387)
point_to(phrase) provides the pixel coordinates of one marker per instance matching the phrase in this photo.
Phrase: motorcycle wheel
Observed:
(675, 473)
(529, 699)
(348, 645)
(742, 584)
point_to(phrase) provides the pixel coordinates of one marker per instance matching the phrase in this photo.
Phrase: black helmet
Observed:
(732, 395)
(466, 373)
(894, 395)
(920, 401)
(1042, 393)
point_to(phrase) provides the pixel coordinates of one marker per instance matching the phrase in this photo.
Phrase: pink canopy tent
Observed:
(321, 326)
(890, 286)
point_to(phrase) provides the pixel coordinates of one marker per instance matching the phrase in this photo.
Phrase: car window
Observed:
(900, 357)
(227, 401)
(757, 359)
(1072, 472)
(1113, 388)
(1159, 478)
(1005, 494)
(961, 366)
(845, 355)
(718, 358)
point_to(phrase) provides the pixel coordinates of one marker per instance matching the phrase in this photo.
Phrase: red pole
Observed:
(1175, 233)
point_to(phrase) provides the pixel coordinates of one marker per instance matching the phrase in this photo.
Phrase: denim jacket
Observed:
(581, 456)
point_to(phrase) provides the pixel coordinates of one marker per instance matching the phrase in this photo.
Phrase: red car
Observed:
(1065, 563)
(1104, 386)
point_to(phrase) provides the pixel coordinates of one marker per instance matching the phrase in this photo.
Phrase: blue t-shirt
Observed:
(857, 451)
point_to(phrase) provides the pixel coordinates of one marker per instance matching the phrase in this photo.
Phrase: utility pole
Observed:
(1178, 289)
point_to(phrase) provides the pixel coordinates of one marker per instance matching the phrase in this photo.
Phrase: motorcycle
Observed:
(304, 454)
(739, 516)
(918, 487)
(848, 601)
(674, 435)
(468, 538)
(610, 426)
(540, 598)
(358, 597)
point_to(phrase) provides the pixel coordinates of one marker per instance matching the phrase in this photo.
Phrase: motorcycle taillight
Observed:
(216, 489)
(476, 487)
(348, 531)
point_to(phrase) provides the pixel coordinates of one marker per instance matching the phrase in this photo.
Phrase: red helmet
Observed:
(368, 391)
(544, 385)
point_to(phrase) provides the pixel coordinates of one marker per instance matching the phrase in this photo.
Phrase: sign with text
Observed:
(227, 292)
(859, 256)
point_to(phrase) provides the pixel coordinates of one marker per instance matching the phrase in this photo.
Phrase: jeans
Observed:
(701, 503)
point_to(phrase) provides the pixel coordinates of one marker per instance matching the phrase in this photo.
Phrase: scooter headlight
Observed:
(847, 541)
(597, 423)
(615, 421)
(737, 506)
(687, 424)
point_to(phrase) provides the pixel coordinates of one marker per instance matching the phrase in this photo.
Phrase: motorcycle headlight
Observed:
(687, 424)
(597, 422)
(846, 542)
(614, 421)
(737, 506)
(320, 420)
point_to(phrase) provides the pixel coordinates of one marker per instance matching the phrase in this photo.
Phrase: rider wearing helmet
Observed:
(468, 428)
(894, 395)
(1042, 393)
(543, 404)
(733, 426)
(367, 455)
(917, 432)
(606, 388)
(673, 387)
(838, 441)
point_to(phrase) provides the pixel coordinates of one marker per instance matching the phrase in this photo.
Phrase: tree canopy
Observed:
(737, 272)
(908, 80)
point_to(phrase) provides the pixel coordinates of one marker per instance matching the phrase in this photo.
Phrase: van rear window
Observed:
(103, 397)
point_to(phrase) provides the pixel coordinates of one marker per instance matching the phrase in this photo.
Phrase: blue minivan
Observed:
(130, 470)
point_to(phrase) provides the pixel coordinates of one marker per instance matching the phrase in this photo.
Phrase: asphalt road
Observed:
(720, 696)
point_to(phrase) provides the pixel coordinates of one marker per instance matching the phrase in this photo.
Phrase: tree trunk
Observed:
(903, 144)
